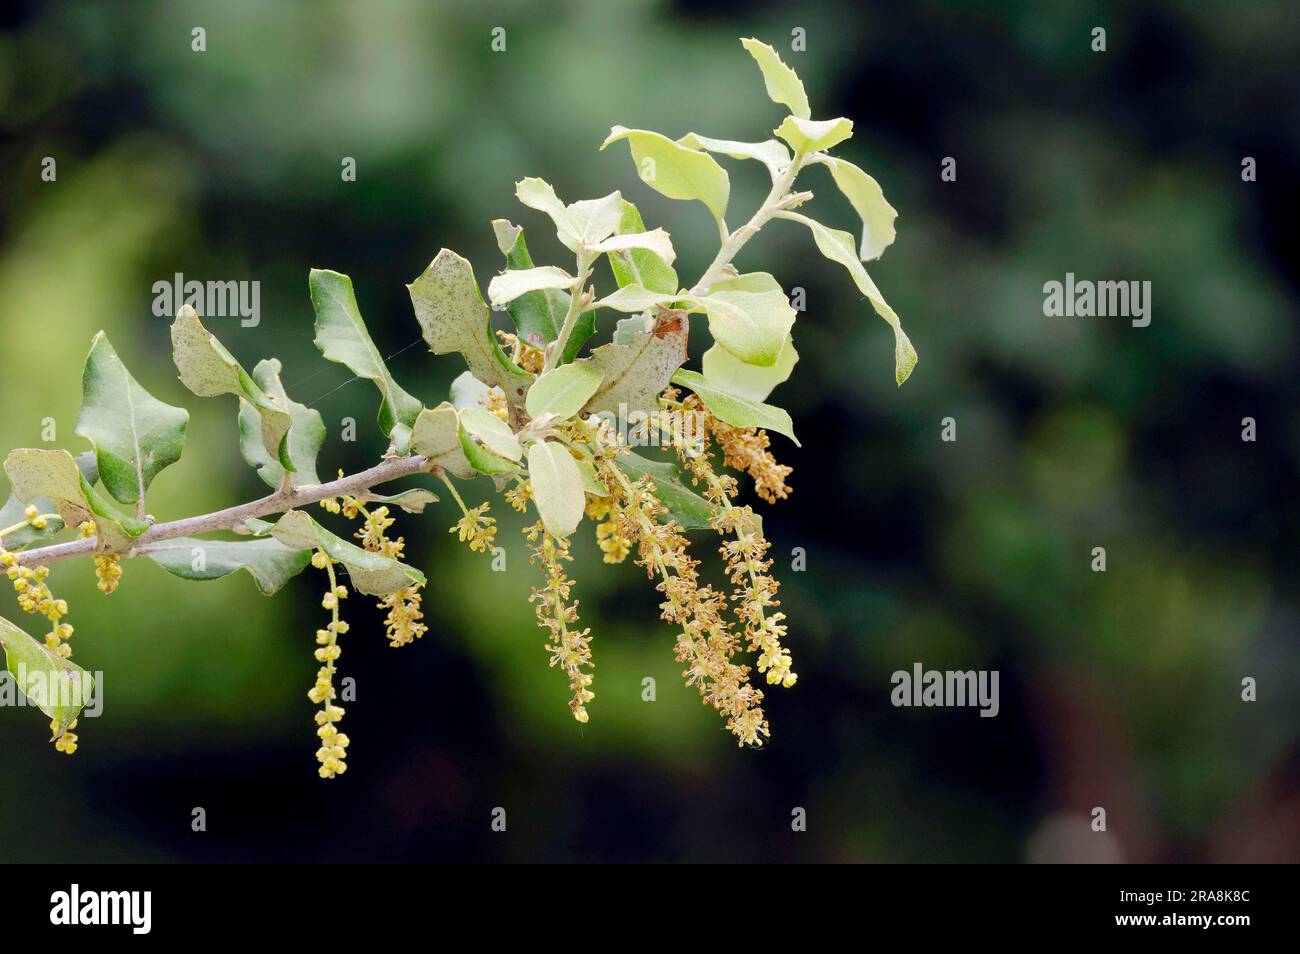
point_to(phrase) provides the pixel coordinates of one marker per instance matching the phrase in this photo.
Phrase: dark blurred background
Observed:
(1119, 689)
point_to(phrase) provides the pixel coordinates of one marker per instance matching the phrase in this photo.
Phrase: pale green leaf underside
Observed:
(13, 510)
(675, 171)
(640, 266)
(305, 436)
(563, 391)
(770, 152)
(487, 441)
(454, 317)
(513, 283)
(134, 434)
(269, 562)
(807, 136)
(734, 409)
(209, 370)
(557, 487)
(412, 501)
(341, 336)
(837, 245)
(35, 473)
(437, 436)
(751, 324)
(57, 686)
(868, 200)
(724, 370)
(370, 573)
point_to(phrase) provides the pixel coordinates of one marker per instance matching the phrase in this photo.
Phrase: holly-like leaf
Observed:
(783, 84)
(453, 317)
(726, 371)
(14, 510)
(563, 391)
(371, 573)
(636, 366)
(734, 409)
(54, 474)
(557, 487)
(305, 436)
(269, 562)
(807, 136)
(770, 152)
(341, 336)
(689, 509)
(750, 316)
(674, 170)
(437, 436)
(57, 686)
(134, 434)
(868, 200)
(208, 369)
(511, 284)
(837, 245)
(487, 441)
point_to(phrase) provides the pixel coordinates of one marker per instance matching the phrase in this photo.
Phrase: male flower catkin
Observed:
(570, 648)
(333, 748)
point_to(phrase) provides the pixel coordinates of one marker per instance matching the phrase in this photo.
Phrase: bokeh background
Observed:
(1118, 689)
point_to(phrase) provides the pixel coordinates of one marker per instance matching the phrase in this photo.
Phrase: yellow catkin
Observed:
(332, 753)
(34, 597)
(570, 648)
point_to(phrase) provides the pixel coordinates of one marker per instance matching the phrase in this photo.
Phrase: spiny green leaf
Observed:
(736, 410)
(689, 509)
(867, 199)
(57, 686)
(54, 474)
(14, 510)
(783, 84)
(807, 136)
(341, 336)
(487, 441)
(453, 317)
(135, 435)
(726, 371)
(269, 562)
(437, 436)
(305, 436)
(563, 391)
(371, 573)
(640, 266)
(674, 170)
(634, 373)
(837, 245)
(208, 369)
(557, 487)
